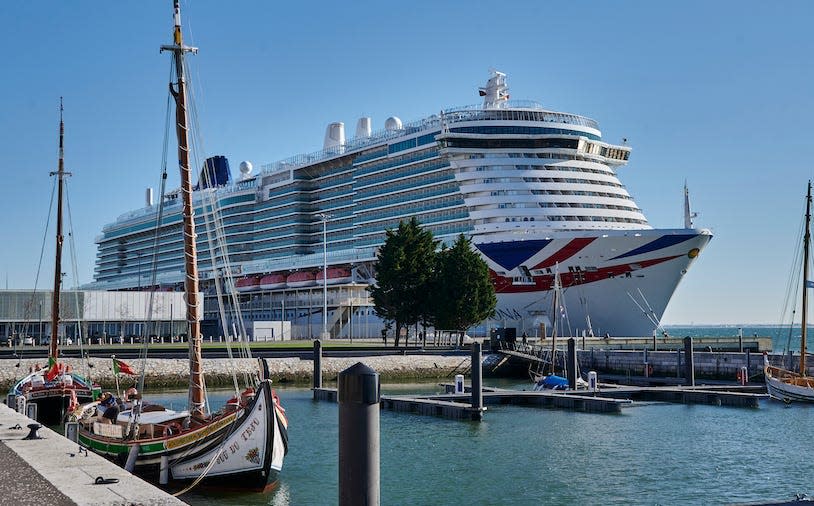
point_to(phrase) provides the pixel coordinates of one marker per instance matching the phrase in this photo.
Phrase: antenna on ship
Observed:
(496, 92)
(688, 215)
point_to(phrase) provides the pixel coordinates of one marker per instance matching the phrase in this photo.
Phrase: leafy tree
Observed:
(404, 268)
(462, 294)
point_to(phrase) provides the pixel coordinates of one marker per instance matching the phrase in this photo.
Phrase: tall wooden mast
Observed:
(60, 174)
(806, 244)
(178, 90)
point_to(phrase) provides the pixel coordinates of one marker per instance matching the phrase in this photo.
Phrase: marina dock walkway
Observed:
(609, 398)
(53, 471)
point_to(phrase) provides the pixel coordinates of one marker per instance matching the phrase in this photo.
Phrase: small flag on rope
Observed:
(809, 283)
(120, 367)
(53, 369)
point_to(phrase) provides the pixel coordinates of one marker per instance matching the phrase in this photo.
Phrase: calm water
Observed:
(650, 454)
(783, 338)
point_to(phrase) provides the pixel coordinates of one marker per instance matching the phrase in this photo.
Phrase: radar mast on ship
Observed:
(496, 92)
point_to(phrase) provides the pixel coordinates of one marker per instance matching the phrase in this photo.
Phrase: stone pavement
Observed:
(52, 471)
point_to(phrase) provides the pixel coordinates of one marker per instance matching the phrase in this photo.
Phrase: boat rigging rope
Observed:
(30, 305)
(216, 242)
(789, 308)
(145, 334)
(74, 266)
(45, 235)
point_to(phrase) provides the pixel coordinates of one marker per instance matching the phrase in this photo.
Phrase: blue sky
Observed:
(720, 94)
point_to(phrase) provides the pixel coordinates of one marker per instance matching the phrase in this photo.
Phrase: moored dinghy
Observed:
(243, 443)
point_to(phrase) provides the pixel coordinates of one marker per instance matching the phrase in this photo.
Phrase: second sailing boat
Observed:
(56, 389)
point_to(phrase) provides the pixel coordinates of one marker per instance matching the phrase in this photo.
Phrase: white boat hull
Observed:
(244, 450)
(787, 392)
(798, 388)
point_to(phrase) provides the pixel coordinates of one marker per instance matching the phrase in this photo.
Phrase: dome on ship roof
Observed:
(245, 168)
(392, 123)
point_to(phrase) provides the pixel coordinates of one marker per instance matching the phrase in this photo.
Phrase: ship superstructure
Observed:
(533, 188)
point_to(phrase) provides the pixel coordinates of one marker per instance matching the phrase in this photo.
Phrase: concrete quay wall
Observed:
(175, 372)
(711, 365)
(53, 471)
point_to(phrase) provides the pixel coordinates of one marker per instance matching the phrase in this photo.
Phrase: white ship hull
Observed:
(606, 288)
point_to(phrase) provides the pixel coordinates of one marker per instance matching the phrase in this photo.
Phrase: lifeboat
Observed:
(335, 276)
(272, 281)
(300, 279)
(247, 284)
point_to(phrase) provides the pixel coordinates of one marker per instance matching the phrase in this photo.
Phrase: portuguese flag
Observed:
(53, 369)
(120, 367)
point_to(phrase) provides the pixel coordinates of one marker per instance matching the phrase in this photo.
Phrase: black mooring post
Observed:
(689, 369)
(571, 366)
(359, 398)
(317, 365)
(477, 381)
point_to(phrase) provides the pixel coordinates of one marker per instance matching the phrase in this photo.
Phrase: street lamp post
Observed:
(324, 217)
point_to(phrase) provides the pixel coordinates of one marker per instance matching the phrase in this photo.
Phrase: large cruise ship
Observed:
(537, 191)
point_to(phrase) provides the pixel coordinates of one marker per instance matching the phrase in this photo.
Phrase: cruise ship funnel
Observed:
(363, 128)
(335, 137)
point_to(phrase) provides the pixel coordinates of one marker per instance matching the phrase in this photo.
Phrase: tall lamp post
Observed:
(324, 217)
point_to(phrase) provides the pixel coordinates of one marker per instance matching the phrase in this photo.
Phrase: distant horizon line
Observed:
(732, 324)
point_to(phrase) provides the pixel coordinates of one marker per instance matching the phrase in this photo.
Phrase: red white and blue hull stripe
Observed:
(619, 281)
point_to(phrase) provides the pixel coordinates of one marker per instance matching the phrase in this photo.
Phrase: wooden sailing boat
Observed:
(56, 389)
(552, 381)
(244, 443)
(783, 384)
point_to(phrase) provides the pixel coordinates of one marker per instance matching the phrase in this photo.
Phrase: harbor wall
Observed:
(168, 373)
(709, 365)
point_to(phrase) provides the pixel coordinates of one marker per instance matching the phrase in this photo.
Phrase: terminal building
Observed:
(113, 316)
(25, 315)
